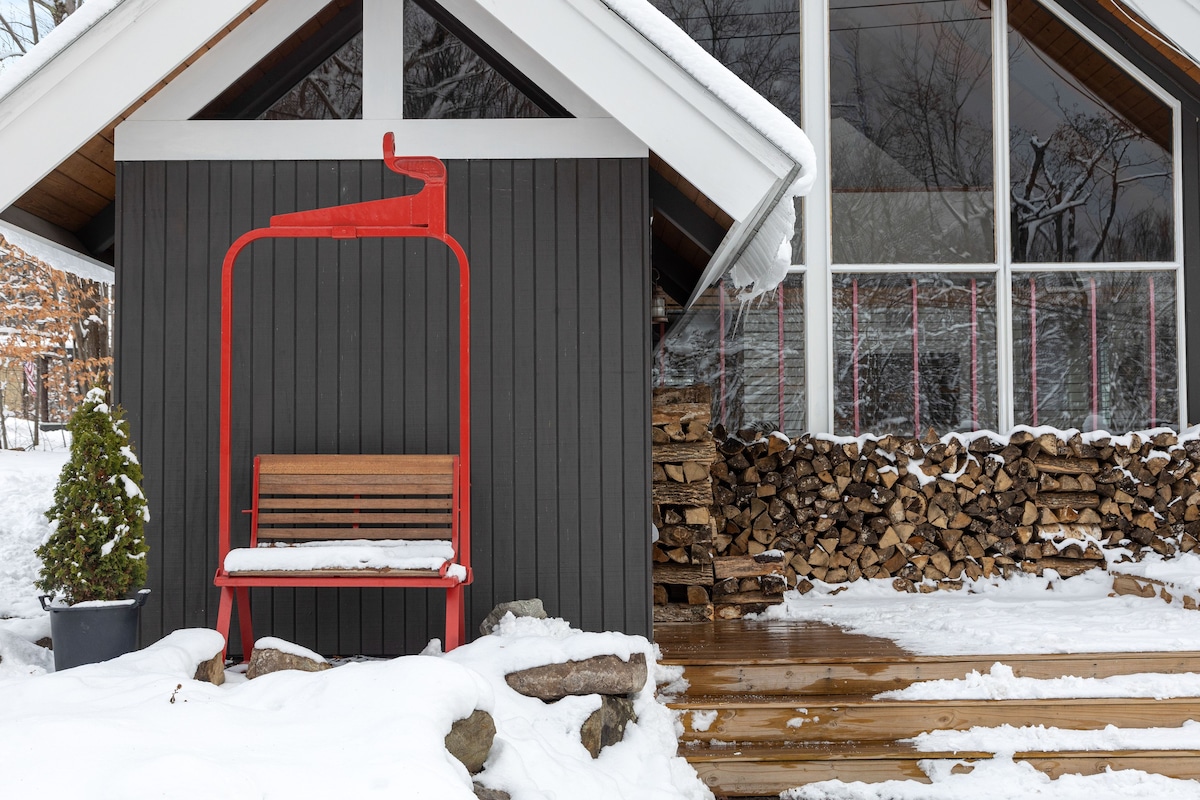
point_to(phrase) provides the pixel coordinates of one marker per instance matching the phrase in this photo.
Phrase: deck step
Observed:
(760, 770)
(840, 676)
(821, 719)
(770, 706)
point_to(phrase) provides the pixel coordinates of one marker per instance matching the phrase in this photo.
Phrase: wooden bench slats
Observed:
(359, 503)
(350, 485)
(270, 534)
(348, 518)
(360, 465)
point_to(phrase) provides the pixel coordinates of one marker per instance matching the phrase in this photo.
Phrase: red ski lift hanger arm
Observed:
(418, 215)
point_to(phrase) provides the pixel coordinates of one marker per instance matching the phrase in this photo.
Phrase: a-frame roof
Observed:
(129, 75)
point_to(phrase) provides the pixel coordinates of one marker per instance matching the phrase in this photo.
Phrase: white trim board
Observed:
(301, 140)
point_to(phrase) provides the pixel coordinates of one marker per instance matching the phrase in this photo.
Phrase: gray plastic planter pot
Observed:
(86, 634)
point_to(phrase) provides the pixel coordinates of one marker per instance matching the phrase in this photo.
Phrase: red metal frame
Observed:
(419, 215)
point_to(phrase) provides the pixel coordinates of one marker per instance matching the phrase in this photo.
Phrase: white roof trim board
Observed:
(709, 126)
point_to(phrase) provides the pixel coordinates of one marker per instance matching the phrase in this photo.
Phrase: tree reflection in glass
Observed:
(911, 108)
(1091, 162)
(914, 351)
(446, 79)
(1095, 350)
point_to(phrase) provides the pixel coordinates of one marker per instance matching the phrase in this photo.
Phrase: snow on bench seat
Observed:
(346, 554)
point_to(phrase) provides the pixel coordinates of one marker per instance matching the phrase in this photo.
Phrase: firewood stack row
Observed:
(930, 513)
(682, 451)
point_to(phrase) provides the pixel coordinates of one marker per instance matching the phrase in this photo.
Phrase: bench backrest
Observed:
(322, 497)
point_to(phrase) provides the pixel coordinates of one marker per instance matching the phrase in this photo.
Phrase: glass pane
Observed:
(331, 91)
(445, 79)
(752, 356)
(1095, 350)
(758, 40)
(1091, 151)
(911, 133)
(914, 352)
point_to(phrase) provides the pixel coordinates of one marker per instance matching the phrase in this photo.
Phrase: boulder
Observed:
(267, 659)
(518, 608)
(607, 724)
(484, 793)
(212, 671)
(470, 739)
(606, 674)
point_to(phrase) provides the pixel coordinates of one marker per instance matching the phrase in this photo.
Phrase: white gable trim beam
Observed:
(265, 140)
(105, 71)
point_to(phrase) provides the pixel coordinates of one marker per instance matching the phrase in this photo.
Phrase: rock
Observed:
(519, 608)
(212, 671)
(265, 660)
(606, 674)
(470, 739)
(484, 793)
(607, 724)
(45, 642)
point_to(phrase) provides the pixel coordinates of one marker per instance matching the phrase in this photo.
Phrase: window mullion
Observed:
(818, 291)
(383, 59)
(1003, 185)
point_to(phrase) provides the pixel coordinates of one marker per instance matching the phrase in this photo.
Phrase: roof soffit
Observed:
(95, 79)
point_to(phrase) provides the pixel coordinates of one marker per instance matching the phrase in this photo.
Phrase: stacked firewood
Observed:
(682, 451)
(930, 513)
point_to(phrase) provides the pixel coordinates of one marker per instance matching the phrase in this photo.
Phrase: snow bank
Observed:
(366, 729)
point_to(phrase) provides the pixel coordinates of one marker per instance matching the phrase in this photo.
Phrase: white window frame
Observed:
(819, 268)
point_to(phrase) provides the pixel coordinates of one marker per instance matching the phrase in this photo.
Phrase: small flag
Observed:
(30, 377)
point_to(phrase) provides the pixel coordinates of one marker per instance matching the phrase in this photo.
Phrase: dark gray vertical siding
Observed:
(351, 347)
(1191, 263)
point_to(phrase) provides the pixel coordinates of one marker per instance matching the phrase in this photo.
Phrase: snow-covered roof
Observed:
(1176, 23)
(16, 71)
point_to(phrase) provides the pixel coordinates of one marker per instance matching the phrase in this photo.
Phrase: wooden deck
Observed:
(793, 704)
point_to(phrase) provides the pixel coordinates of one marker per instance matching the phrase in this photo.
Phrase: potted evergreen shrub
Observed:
(96, 554)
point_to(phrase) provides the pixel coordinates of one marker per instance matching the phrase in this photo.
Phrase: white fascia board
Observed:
(101, 74)
(302, 140)
(738, 237)
(632, 80)
(228, 60)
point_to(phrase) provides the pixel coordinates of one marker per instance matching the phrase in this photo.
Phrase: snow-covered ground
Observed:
(374, 728)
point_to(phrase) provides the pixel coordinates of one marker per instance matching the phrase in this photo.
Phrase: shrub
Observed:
(97, 550)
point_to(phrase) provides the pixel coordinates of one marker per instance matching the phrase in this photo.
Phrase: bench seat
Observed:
(350, 521)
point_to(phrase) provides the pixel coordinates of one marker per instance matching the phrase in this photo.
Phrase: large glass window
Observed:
(1095, 350)
(914, 352)
(752, 356)
(981, 153)
(911, 132)
(1090, 150)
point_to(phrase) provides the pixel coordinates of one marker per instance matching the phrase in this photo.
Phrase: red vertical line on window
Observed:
(1095, 360)
(974, 354)
(779, 291)
(916, 365)
(1033, 348)
(1153, 359)
(854, 347)
(721, 345)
